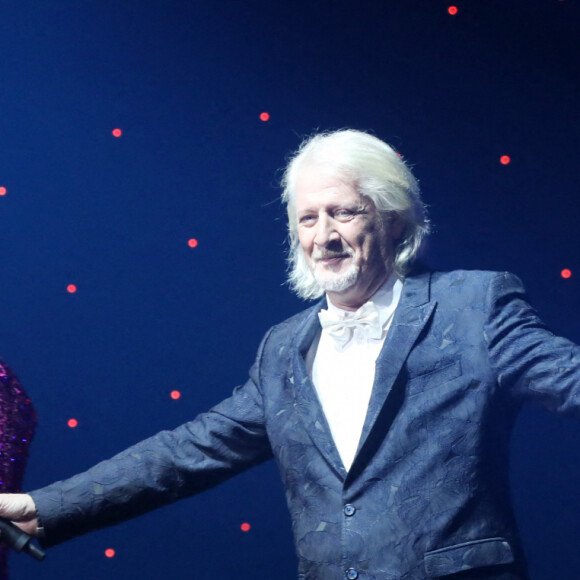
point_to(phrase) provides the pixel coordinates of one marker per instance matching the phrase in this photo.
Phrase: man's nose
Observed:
(325, 231)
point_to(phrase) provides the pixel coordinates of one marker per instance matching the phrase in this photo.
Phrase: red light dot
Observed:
(566, 273)
(452, 10)
(264, 117)
(72, 423)
(2, 191)
(117, 132)
(245, 527)
(192, 243)
(71, 288)
(109, 552)
(175, 395)
(505, 159)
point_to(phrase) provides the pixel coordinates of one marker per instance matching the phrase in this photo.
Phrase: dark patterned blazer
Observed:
(427, 495)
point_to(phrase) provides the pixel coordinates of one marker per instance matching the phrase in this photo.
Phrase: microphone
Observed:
(18, 540)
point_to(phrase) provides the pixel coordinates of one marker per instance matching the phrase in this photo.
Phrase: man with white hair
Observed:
(388, 405)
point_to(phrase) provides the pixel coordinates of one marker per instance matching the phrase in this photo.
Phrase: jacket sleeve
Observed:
(529, 359)
(171, 465)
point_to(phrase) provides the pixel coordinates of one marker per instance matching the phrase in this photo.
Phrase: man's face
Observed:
(344, 239)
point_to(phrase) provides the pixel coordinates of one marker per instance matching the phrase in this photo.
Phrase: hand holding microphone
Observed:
(18, 540)
(19, 507)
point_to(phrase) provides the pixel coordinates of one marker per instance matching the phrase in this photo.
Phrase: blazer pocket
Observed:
(444, 372)
(466, 556)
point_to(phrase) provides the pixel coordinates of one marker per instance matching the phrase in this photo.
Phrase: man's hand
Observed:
(20, 508)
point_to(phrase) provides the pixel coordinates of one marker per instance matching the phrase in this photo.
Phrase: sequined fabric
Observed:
(17, 423)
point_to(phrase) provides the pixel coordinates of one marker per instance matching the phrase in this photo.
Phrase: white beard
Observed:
(336, 282)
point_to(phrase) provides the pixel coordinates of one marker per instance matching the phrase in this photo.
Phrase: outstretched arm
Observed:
(535, 364)
(169, 466)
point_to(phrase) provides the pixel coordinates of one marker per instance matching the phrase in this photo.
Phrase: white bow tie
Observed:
(366, 319)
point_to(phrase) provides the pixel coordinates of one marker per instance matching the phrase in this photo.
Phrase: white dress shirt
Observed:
(343, 375)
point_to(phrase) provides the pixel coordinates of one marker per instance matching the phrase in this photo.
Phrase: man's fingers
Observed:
(30, 527)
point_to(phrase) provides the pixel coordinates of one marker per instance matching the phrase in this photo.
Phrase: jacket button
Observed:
(349, 510)
(351, 574)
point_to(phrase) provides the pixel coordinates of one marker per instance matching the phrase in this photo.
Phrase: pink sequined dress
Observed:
(17, 423)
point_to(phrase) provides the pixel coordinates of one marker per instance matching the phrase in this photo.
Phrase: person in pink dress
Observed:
(17, 424)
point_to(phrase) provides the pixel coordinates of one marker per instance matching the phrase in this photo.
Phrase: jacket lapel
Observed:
(411, 316)
(413, 312)
(307, 404)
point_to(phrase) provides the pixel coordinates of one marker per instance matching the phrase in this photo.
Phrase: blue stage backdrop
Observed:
(131, 128)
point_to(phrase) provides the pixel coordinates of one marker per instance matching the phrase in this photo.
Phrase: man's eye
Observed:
(306, 219)
(343, 213)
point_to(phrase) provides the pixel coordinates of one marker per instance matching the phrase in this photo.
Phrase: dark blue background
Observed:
(186, 82)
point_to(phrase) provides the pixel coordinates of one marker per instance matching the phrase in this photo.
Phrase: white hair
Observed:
(378, 172)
